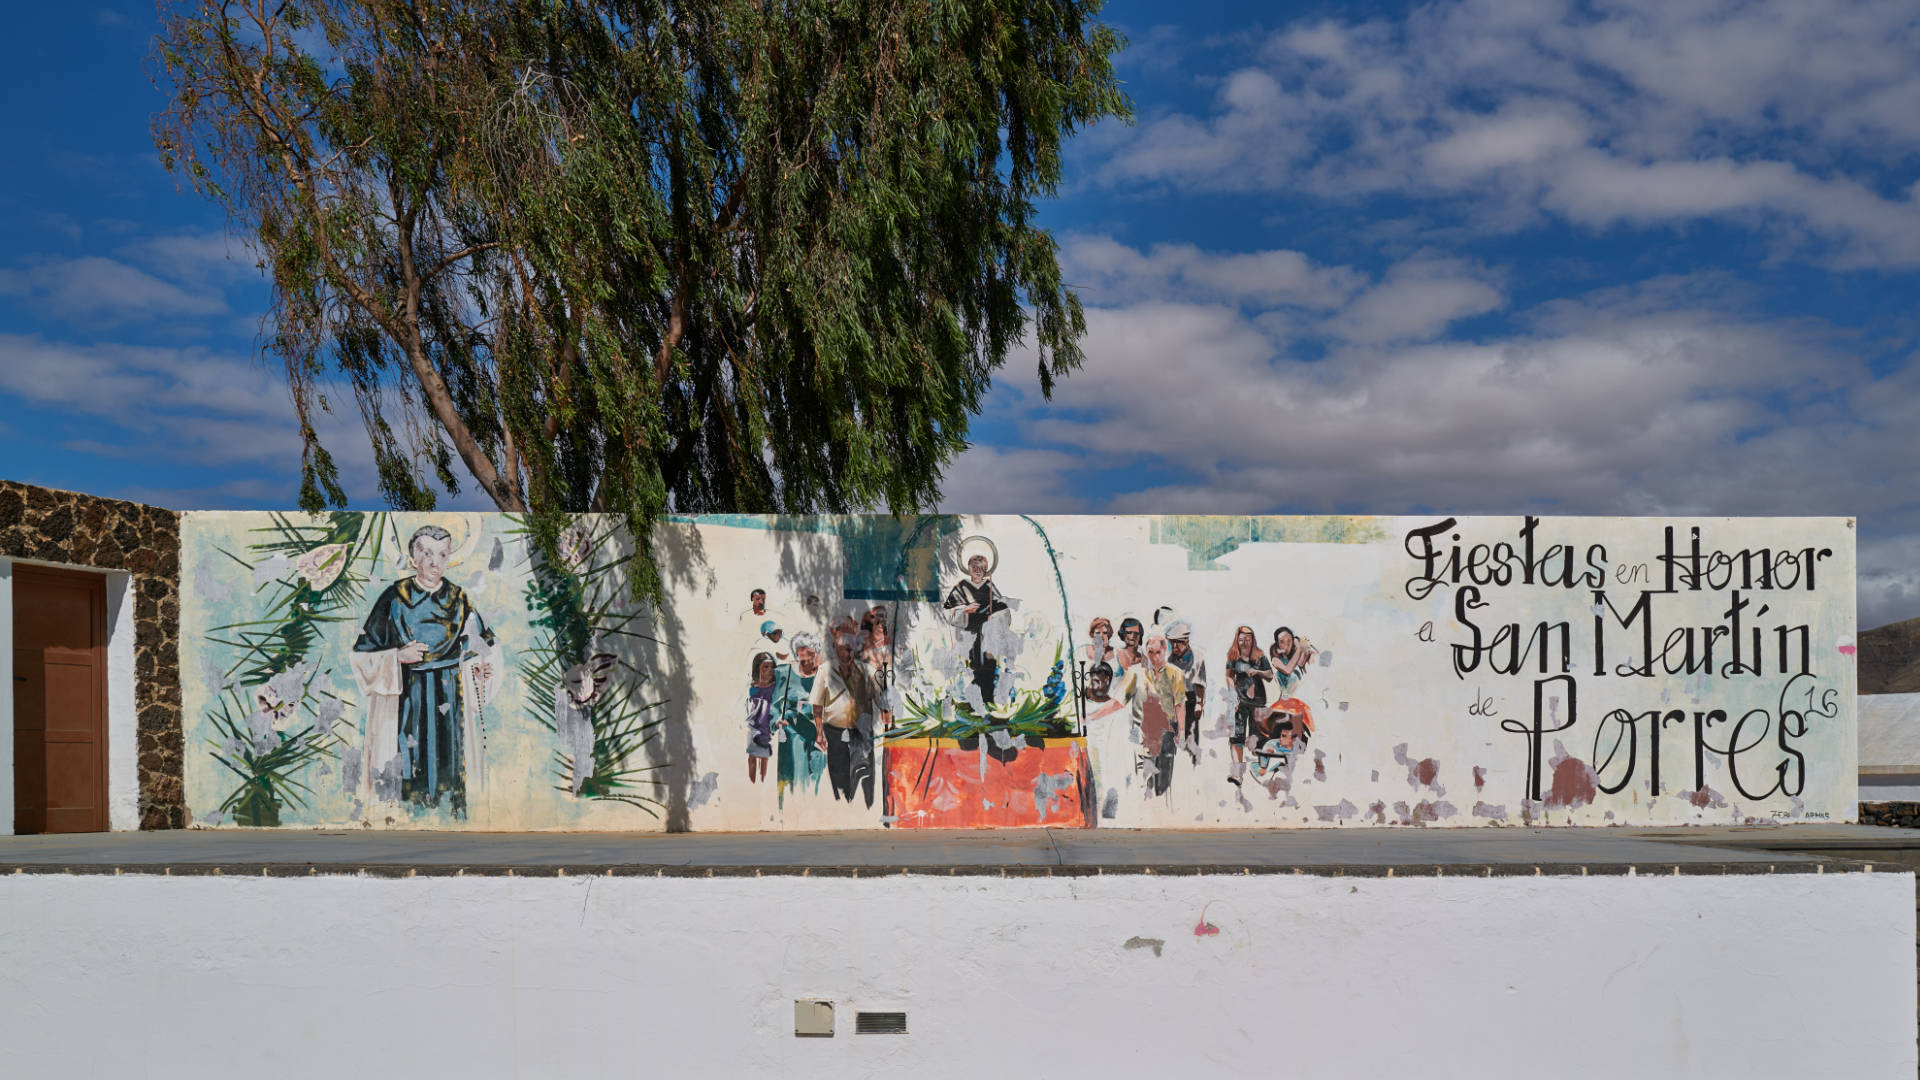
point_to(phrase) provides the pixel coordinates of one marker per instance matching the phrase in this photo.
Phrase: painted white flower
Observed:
(278, 712)
(279, 700)
(321, 566)
(584, 682)
(576, 546)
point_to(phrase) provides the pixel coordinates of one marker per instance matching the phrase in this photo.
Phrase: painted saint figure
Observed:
(416, 650)
(969, 605)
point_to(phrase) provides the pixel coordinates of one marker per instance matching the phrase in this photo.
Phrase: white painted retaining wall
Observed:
(1749, 976)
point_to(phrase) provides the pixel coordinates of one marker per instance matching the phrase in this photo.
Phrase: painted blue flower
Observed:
(1055, 690)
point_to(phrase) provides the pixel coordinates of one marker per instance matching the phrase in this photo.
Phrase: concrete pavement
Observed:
(1365, 852)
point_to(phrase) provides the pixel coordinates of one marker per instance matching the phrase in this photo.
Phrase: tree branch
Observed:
(456, 257)
(676, 329)
(434, 388)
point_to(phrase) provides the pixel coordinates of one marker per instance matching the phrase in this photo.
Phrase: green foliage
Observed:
(578, 607)
(278, 714)
(643, 256)
(1042, 713)
(303, 598)
(267, 763)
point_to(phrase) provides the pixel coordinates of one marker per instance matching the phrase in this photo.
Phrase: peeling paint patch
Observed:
(1340, 811)
(1048, 785)
(1154, 943)
(1492, 813)
(1574, 784)
(1207, 537)
(1479, 778)
(1320, 765)
(1427, 812)
(1704, 799)
(271, 569)
(701, 790)
(1378, 811)
(1421, 773)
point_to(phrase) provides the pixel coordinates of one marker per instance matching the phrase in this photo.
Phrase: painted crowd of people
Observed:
(814, 708)
(816, 704)
(1161, 680)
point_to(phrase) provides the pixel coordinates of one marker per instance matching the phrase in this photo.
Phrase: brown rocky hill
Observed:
(1890, 659)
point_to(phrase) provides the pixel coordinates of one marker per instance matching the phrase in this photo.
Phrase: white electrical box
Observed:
(813, 1018)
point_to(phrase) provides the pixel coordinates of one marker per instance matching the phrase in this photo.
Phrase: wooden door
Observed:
(59, 700)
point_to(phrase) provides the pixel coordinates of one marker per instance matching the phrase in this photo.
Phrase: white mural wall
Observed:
(429, 670)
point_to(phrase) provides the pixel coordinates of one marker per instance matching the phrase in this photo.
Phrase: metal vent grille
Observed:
(880, 1023)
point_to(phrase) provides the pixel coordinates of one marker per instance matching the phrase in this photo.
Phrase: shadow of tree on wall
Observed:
(682, 561)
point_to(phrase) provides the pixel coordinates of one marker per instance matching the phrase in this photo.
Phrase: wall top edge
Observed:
(91, 497)
(723, 519)
(1641, 868)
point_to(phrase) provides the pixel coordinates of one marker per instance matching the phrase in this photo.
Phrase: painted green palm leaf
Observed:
(283, 635)
(570, 608)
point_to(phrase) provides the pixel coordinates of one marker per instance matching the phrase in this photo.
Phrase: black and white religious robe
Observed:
(988, 602)
(423, 718)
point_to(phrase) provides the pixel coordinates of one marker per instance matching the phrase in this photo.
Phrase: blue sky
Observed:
(1487, 256)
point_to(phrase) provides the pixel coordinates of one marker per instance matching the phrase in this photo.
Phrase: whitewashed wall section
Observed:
(425, 670)
(1657, 975)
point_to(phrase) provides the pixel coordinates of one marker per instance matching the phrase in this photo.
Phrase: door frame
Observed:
(96, 584)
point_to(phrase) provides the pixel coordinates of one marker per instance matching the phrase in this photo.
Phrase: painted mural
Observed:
(432, 670)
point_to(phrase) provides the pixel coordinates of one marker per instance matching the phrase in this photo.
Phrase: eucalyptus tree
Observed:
(644, 256)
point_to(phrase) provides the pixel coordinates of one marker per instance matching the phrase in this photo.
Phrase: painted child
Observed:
(760, 718)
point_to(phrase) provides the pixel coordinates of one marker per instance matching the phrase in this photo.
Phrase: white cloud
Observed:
(178, 279)
(1665, 397)
(95, 289)
(997, 480)
(128, 382)
(1418, 299)
(1798, 120)
(1889, 579)
(1108, 272)
(195, 257)
(185, 405)
(1158, 49)
(1415, 300)
(1519, 134)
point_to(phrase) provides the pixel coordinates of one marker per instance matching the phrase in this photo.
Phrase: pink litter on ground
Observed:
(1203, 928)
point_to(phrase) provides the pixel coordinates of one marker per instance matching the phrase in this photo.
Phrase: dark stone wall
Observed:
(1898, 815)
(109, 534)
